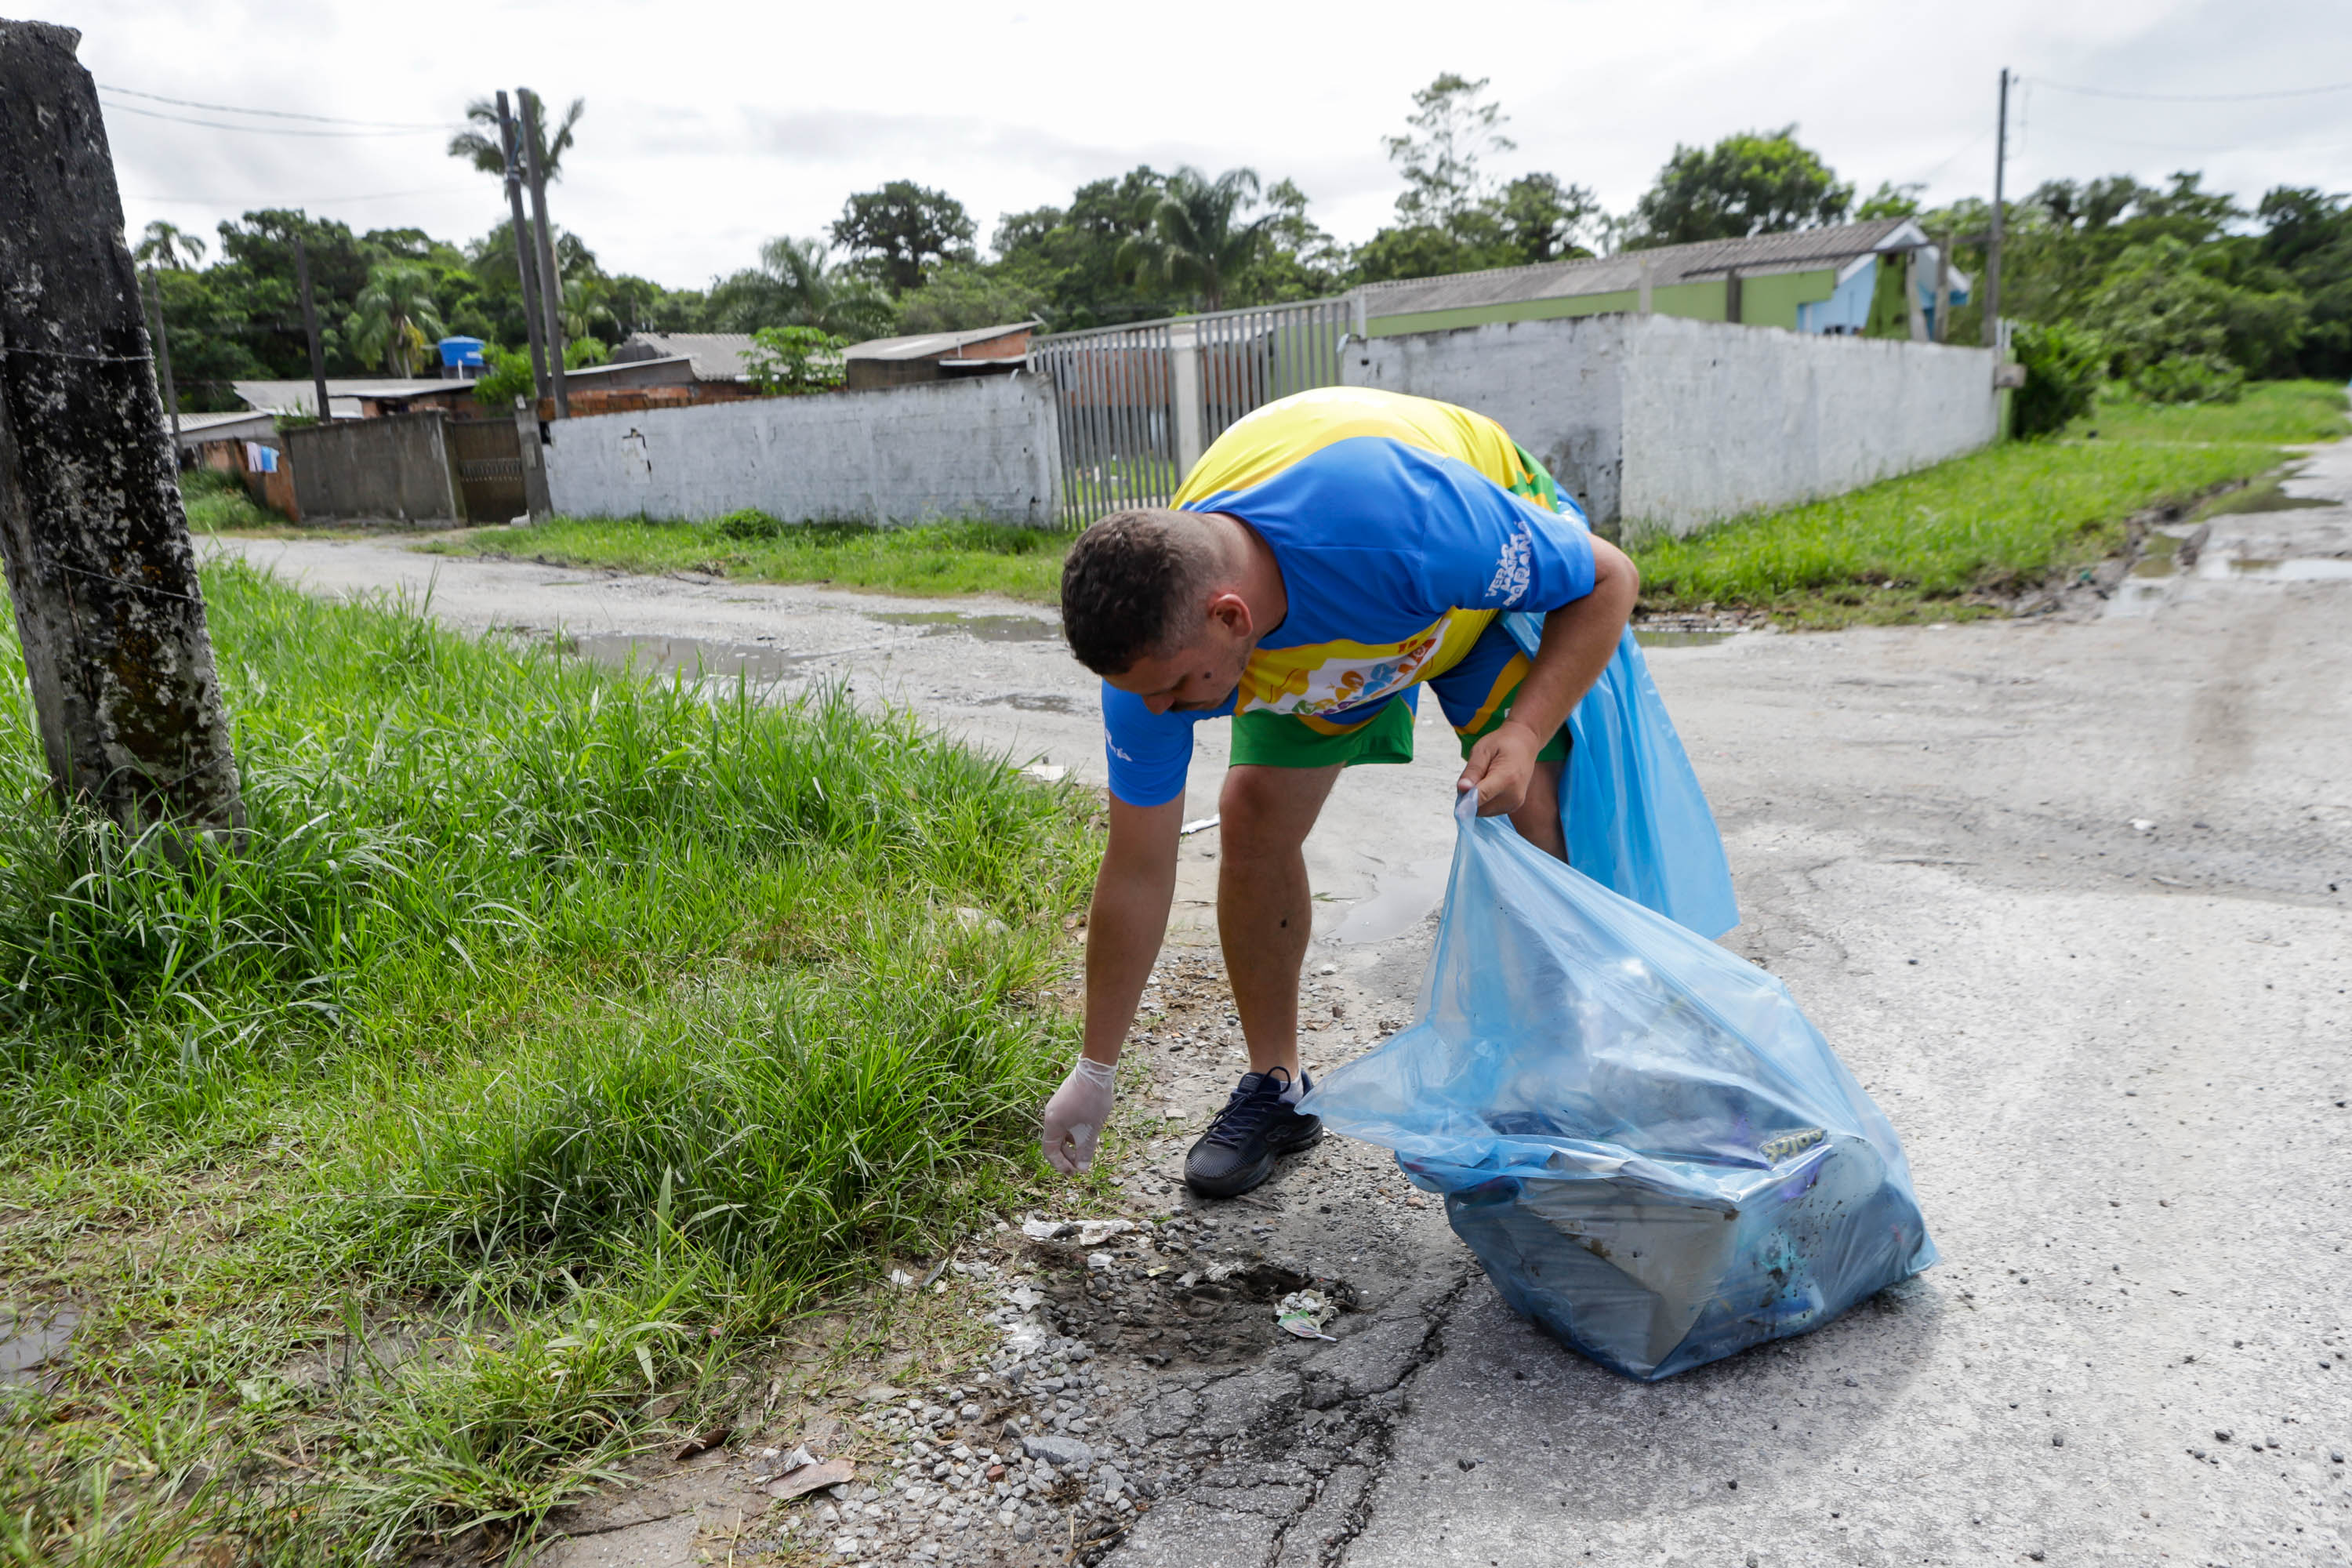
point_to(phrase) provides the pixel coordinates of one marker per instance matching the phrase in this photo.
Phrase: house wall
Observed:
(1663, 423)
(1769, 301)
(395, 468)
(983, 448)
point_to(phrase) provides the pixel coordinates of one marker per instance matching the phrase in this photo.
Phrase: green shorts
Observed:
(1475, 695)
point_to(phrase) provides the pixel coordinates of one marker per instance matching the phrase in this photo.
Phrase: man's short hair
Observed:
(1129, 586)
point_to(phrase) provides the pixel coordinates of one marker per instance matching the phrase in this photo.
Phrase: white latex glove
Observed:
(1074, 1117)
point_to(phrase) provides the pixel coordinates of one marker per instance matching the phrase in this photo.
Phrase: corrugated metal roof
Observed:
(717, 357)
(1800, 250)
(925, 345)
(297, 397)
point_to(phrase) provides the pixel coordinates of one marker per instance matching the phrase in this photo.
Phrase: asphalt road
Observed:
(2073, 896)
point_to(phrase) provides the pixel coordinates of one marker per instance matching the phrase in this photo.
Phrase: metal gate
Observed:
(488, 457)
(1138, 405)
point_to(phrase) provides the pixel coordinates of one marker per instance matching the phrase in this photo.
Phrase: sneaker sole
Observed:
(1255, 1175)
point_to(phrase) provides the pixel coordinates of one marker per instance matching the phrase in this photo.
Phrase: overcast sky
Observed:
(712, 126)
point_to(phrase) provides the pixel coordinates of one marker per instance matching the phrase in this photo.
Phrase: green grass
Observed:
(1956, 540)
(557, 1040)
(218, 503)
(931, 559)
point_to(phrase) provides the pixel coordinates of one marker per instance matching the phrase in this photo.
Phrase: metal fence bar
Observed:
(1115, 390)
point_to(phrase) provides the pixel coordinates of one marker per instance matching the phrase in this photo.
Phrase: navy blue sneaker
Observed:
(1256, 1128)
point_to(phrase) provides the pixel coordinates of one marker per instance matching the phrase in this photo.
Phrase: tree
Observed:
(1197, 241)
(396, 317)
(1072, 256)
(1891, 200)
(1453, 128)
(486, 151)
(961, 295)
(2308, 237)
(792, 361)
(1542, 219)
(797, 285)
(170, 247)
(1296, 258)
(1754, 182)
(2180, 334)
(904, 228)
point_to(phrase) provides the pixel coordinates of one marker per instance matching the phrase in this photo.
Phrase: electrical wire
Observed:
(2199, 97)
(306, 201)
(274, 113)
(264, 129)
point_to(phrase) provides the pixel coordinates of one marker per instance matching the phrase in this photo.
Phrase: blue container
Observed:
(461, 351)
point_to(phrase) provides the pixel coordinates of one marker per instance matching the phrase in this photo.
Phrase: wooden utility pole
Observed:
(100, 566)
(326, 411)
(526, 263)
(164, 360)
(1992, 244)
(550, 279)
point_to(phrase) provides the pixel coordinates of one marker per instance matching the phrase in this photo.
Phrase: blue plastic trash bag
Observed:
(1636, 820)
(1653, 1153)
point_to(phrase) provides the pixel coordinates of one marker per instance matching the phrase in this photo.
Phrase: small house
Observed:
(938, 356)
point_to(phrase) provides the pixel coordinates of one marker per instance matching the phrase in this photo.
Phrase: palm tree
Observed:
(797, 285)
(395, 318)
(1195, 241)
(484, 151)
(170, 247)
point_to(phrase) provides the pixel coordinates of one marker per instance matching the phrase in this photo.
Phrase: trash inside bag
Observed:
(1653, 1153)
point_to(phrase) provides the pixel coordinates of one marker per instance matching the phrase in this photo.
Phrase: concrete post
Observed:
(100, 566)
(534, 454)
(1649, 272)
(1184, 389)
(1911, 281)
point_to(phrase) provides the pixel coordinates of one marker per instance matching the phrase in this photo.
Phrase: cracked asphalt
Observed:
(2073, 898)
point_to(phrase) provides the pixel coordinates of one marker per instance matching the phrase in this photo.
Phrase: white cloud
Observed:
(712, 126)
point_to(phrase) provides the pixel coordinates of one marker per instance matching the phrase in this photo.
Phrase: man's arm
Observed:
(1578, 640)
(1130, 916)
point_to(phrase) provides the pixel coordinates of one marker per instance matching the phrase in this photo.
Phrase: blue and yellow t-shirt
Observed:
(1399, 538)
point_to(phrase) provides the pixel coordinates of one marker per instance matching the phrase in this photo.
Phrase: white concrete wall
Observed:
(1721, 420)
(1659, 421)
(1557, 386)
(985, 448)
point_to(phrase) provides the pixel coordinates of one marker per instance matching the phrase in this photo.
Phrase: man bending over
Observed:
(1330, 554)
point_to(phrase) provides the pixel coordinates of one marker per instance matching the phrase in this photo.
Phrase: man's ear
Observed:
(1232, 612)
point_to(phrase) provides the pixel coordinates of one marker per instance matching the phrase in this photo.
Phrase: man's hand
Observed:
(1500, 768)
(1074, 1117)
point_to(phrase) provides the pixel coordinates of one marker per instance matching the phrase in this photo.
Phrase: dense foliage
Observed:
(2179, 293)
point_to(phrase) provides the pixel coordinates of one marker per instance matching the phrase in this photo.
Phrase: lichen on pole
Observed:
(99, 565)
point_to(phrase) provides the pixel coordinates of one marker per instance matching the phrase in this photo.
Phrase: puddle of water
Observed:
(2158, 557)
(1397, 905)
(2295, 569)
(1680, 639)
(688, 655)
(32, 1338)
(1033, 702)
(987, 628)
(2258, 497)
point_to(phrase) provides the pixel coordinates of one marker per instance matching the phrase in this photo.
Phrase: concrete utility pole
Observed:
(326, 411)
(99, 565)
(1992, 244)
(164, 359)
(526, 264)
(551, 281)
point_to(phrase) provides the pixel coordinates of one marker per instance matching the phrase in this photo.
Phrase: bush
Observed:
(2064, 368)
(789, 361)
(2190, 378)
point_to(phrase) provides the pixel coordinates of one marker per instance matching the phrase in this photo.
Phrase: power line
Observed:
(304, 201)
(273, 113)
(262, 130)
(2196, 96)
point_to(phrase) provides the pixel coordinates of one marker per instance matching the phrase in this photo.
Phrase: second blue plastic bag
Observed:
(1653, 1151)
